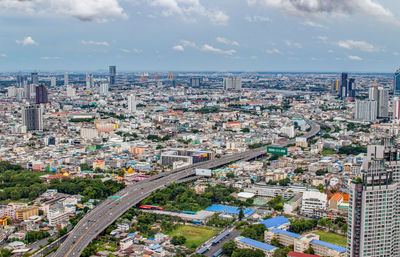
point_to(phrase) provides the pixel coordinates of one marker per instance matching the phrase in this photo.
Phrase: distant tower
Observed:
(131, 103)
(66, 79)
(41, 95)
(89, 81)
(350, 88)
(113, 74)
(53, 81)
(232, 83)
(396, 110)
(21, 79)
(383, 102)
(32, 117)
(343, 87)
(34, 78)
(396, 83)
(195, 82)
(104, 89)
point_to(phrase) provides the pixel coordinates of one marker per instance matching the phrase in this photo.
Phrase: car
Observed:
(91, 233)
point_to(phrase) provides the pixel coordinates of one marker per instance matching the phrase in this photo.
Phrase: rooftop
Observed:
(337, 248)
(257, 244)
(275, 222)
(284, 232)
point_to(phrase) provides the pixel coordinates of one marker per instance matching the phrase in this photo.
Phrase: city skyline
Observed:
(253, 35)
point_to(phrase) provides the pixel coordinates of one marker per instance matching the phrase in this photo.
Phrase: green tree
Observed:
(178, 240)
(247, 253)
(228, 248)
(309, 251)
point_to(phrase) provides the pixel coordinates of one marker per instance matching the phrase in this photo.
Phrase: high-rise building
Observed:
(34, 78)
(343, 85)
(113, 74)
(32, 117)
(195, 82)
(29, 91)
(233, 83)
(131, 103)
(70, 91)
(41, 95)
(89, 81)
(383, 102)
(396, 110)
(103, 90)
(374, 205)
(21, 80)
(66, 79)
(350, 89)
(53, 81)
(366, 110)
(396, 82)
(373, 93)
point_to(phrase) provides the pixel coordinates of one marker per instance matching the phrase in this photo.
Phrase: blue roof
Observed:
(257, 244)
(229, 209)
(284, 232)
(337, 248)
(275, 222)
(155, 246)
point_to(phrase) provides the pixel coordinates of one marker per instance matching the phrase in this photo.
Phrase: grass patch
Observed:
(331, 238)
(195, 236)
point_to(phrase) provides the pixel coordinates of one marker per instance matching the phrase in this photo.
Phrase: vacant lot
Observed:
(331, 238)
(195, 236)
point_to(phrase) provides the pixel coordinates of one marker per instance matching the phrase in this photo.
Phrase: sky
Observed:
(200, 35)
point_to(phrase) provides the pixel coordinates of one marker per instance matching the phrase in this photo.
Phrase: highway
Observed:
(108, 211)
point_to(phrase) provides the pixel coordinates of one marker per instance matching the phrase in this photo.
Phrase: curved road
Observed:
(108, 211)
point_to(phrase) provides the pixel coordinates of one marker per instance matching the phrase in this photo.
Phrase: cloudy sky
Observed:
(200, 35)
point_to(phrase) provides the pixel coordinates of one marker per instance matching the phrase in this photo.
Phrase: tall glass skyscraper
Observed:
(113, 74)
(396, 83)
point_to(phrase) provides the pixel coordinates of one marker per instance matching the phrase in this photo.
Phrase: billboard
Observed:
(277, 150)
(203, 172)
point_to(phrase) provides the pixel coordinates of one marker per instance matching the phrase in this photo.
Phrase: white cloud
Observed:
(314, 59)
(273, 51)
(226, 41)
(3, 55)
(96, 43)
(293, 44)
(257, 18)
(210, 49)
(87, 10)
(321, 8)
(323, 38)
(26, 41)
(178, 48)
(47, 58)
(125, 50)
(188, 8)
(188, 43)
(354, 58)
(396, 53)
(360, 45)
(314, 24)
(254, 57)
(136, 51)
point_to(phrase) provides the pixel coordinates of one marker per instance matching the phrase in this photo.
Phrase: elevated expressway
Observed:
(108, 211)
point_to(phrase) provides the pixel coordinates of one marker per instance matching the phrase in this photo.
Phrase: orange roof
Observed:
(345, 197)
(337, 196)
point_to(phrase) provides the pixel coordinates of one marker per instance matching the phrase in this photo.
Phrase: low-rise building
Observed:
(244, 242)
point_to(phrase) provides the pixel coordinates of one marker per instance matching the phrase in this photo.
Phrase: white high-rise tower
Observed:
(131, 103)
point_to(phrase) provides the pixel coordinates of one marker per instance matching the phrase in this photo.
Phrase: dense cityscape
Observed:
(200, 164)
(199, 128)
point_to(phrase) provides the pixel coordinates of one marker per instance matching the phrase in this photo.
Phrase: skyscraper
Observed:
(350, 88)
(131, 103)
(366, 110)
(383, 102)
(396, 110)
(53, 81)
(34, 78)
(41, 95)
(103, 90)
(233, 83)
(396, 82)
(89, 81)
(343, 87)
(21, 79)
(194, 82)
(374, 205)
(113, 74)
(66, 79)
(32, 117)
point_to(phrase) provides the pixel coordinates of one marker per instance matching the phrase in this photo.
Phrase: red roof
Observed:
(296, 254)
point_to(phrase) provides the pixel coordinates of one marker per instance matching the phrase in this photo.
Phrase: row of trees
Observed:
(230, 249)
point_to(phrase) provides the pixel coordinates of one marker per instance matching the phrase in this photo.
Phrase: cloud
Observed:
(3, 55)
(125, 50)
(87, 10)
(273, 51)
(178, 48)
(314, 24)
(323, 38)
(188, 43)
(96, 43)
(47, 58)
(257, 18)
(396, 53)
(321, 8)
(354, 58)
(188, 8)
(293, 44)
(210, 49)
(226, 41)
(26, 41)
(360, 45)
